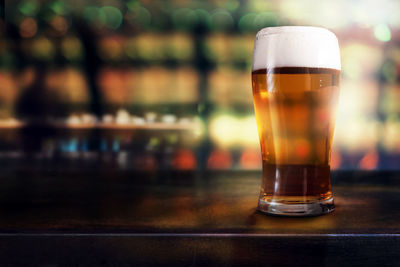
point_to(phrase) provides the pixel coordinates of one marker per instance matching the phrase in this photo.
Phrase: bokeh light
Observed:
(60, 25)
(248, 134)
(28, 27)
(43, 48)
(221, 20)
(228, 130)
(59, 7)
(139, 16)
(111, 49)
(382, 33)
(95, 16)
(246, 22)
(184, 18)
(265, 19)
(113, 17)
(72, 48)
(186, 65)
(29, 7)
(224, 130)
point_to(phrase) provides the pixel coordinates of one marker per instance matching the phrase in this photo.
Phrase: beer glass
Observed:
(295, 80)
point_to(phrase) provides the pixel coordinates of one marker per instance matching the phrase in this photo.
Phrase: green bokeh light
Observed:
(204, 17)
(113, 17)
(232, 5)
(28, 8)
(382, 33)
(59, 7)
(265, 19)
(132, 4)
(222, 20)
(95, 15)
(144, 16)
(185, 18)
(246, 22)
(139, 16)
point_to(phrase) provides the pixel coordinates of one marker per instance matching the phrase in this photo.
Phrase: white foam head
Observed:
(296, 46)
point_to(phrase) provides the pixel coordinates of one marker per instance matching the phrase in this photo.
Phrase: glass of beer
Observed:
(295, 79)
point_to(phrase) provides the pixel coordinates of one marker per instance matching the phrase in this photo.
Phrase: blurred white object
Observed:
(13, 120)
(138, 120)
(88, 118)
(108, 118)
(168, 118)
(73, 119)
(150, 117)
(10, 122)
(123, 117)
(122, 158)
(185, 120)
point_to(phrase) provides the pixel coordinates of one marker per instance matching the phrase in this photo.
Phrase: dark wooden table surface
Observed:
(120, 218)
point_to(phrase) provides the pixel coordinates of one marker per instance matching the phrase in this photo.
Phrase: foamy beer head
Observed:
(296, 46)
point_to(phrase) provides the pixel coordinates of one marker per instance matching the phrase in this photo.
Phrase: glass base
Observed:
(296, 209)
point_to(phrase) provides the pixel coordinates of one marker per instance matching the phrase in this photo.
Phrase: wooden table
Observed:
(115, 218)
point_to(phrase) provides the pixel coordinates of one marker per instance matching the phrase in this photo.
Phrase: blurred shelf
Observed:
(113, 126)
(11, 124)
(108, 126)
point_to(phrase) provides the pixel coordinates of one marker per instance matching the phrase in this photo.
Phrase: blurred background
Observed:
(154, 85)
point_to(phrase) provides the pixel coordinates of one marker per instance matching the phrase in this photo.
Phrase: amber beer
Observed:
(295, 83)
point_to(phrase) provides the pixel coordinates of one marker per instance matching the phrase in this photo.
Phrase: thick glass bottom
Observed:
(296, 209)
